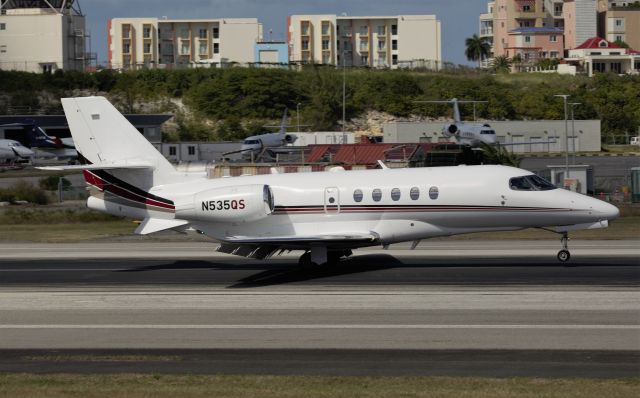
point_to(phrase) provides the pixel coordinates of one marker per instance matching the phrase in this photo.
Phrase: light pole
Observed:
(566, 135)
(298, 115)
(344, 97)
(573, 131)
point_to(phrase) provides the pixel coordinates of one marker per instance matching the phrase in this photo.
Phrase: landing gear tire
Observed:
(564, 255)
(305, 261)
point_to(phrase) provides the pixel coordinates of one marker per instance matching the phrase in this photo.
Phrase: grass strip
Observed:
(134, 386)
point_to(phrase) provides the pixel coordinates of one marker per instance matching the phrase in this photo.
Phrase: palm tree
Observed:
(478, 48)
(501, 63)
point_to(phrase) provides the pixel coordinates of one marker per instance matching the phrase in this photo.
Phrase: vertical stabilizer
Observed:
(456, 110)
(102, 135)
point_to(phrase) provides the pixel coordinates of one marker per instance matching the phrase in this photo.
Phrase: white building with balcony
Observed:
(373, 41)
(151, 42)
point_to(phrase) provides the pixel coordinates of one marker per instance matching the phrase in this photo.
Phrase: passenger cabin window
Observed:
(414, 193)
(395, 194)
(376, 195)
(490, 132)
(357, 195)
(530, 183)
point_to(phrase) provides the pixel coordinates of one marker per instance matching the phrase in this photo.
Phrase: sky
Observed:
(459, 19)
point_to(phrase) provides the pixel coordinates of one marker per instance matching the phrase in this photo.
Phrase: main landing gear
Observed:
(564, 255)
(322, 256)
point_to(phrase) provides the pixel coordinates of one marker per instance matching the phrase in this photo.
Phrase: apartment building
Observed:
(42, 36)
(537, 29)
(619, 21)
(151, 42)
(373, 41)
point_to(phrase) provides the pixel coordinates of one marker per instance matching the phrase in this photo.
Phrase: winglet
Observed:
(382, 165)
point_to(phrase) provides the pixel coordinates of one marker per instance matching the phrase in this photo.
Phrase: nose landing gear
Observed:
(564, 255)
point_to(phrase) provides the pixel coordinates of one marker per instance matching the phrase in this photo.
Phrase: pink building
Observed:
(535, 43)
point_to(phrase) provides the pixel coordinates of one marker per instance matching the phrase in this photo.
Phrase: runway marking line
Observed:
(320, 326)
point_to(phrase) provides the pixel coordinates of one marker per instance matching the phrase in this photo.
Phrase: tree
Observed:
(501, 64)
(478, 48)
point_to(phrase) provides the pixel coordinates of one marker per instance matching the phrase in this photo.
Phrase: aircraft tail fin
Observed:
(103, 136)
(283, 124)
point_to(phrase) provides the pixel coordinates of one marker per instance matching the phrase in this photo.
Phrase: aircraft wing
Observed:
(302, 240)
(265, 247)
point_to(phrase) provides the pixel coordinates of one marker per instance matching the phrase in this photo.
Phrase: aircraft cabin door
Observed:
(331, 200)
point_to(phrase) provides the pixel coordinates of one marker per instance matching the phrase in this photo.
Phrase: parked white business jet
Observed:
(466, 133)
(254, 145)
(11, 150)
(324, 214)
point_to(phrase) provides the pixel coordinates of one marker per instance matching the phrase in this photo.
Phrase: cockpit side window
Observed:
(530, 183)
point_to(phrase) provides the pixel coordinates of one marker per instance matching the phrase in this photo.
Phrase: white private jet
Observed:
(472, 134)
(11, 150)
(254, 145)
(323, 214)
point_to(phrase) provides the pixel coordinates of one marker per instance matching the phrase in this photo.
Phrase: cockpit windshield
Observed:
(530, 183)
(251, 142)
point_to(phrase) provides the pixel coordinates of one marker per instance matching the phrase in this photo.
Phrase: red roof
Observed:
(594, 42)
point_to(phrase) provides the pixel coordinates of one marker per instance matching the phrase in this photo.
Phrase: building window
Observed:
(382, 45)
(526, 8)
(191, 149)
(126, 48)
(598, 67)
(527, 39)
(553, 54)
(3, 49)
(364, 45)
(304, 28)
(3, 26)
(394, 59)
(415, 192)
(202, 33)
(553, 38)
(364, 59)
(146, 32)
(394, 44)
(305, 44)
(364, 30)
(325, 44)
(184, 49)
(184, 33)
(216, 33)
(394, 29)
(395, 194)
(381, 60)
(147, 48)
(203, 48)
(382, 30)
(357, 195)
(172, 151)
(619, 22)
(376, 195)
(216, 48)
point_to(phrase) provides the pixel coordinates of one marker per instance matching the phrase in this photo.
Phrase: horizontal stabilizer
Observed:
(151, 225)
(99, 166)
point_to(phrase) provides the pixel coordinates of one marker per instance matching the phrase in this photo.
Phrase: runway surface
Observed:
(449, 308)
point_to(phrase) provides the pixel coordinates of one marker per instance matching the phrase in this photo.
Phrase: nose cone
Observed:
(605, 210)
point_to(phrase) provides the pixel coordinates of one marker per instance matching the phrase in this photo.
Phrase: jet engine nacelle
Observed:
(244, 203)
(450, 130)
(290, 138)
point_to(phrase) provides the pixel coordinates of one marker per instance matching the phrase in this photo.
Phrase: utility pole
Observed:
(573, 131)
(566, 135)
(344, 98)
